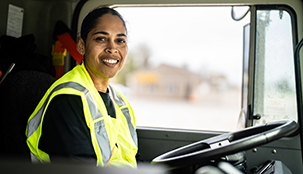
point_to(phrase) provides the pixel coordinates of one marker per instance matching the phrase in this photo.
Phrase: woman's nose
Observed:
(111, 48)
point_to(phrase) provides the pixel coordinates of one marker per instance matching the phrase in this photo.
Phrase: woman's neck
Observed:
(100, 83)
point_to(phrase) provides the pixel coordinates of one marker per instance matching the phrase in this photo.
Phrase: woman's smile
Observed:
(110, 62)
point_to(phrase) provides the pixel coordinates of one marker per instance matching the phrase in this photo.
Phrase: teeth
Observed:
(110, 60)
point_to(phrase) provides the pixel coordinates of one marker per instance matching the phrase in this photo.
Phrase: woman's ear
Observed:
(80, 46)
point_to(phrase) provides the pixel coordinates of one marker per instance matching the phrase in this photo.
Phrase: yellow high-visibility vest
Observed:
(114, 139)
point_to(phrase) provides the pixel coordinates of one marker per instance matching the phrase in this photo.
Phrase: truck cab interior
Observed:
(215, 85)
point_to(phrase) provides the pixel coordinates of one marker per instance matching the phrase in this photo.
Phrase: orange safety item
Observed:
(70, 45)
(59, 53)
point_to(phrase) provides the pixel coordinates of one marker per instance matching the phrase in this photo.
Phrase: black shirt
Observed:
(64, 130)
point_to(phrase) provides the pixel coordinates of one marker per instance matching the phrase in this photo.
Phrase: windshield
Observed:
(184, 67)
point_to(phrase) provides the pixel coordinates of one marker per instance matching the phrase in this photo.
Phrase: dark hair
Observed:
(90, 21)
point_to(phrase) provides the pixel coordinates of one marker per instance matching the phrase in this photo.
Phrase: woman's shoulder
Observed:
(66, 100)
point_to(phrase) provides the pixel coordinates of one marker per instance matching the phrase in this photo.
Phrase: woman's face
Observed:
(106, 47)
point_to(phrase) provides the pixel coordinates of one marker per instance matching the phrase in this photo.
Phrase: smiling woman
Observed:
(87, 119)
(169, 74)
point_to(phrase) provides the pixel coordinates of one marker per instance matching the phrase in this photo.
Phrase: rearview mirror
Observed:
(239, 12)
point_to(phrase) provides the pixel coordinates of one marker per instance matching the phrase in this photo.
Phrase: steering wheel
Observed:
(225, 144)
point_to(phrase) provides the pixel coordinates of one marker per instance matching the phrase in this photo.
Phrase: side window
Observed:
(184, 67)
(274, 83)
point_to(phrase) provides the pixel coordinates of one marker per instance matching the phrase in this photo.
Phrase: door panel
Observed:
(287, 150)
(273, 90)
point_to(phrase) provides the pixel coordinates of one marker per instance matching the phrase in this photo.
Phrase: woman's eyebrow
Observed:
(106, 33)
(101, 32)
(121, 35)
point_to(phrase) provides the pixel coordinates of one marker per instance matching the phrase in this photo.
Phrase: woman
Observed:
(81, 116)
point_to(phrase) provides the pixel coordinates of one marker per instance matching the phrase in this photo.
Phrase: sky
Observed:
(204, 39)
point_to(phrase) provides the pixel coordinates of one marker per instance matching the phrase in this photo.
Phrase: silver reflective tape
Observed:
(130, 125)
(119, 101)
(103, 141)
(34, 159)
(33, 124)
(93, 107)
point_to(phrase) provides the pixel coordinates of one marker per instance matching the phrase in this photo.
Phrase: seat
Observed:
(19, 95)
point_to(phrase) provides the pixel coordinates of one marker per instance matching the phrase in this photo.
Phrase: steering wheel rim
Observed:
(225, 144)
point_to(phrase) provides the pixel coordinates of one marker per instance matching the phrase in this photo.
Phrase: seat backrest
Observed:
(19, 95)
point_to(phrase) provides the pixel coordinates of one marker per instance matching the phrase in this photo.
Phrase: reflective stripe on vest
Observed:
(95, 113)
(120, 102)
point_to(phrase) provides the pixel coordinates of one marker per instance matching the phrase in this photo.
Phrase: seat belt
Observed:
(70, 46)
(62, 33)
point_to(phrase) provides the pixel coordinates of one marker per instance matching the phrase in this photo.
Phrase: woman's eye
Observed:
(100, 39)
(121, 41)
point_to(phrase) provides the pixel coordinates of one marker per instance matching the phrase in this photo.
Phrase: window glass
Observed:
(275, 93)
(184, 67)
